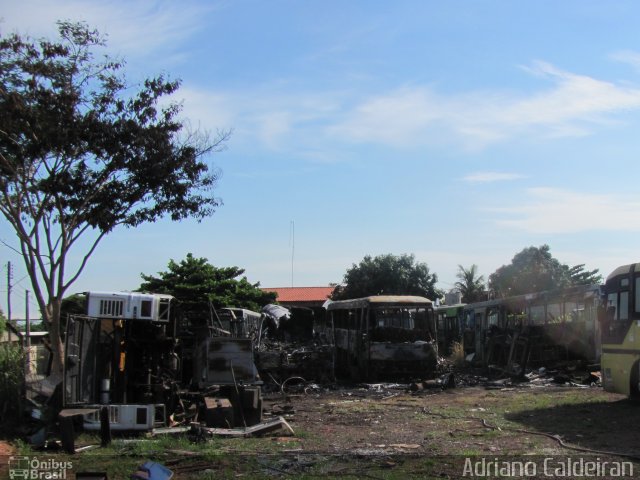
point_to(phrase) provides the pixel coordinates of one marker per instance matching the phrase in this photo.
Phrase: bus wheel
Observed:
(634, 387)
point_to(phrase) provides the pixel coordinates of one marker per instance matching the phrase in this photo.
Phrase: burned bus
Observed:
(536, 329)
(450, 327)
(151, 367)
(385, 337)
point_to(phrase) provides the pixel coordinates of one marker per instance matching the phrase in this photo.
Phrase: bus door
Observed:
(468, 332)
(480, 328)
(364, 350)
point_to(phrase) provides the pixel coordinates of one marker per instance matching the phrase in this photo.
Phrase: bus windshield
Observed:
(396, 317)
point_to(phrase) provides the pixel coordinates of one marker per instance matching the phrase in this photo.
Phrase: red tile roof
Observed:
(301, 294)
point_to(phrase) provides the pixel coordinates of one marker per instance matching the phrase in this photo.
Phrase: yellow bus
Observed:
(620, 330)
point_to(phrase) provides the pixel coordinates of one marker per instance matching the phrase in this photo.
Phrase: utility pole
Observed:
(9, 278)
(292, 240)
(26, 314)
(28, 331)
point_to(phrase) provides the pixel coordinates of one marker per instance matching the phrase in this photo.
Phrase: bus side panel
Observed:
(402, 360)
(620, 363)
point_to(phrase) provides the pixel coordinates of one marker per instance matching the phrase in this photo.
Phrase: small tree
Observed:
(470, 284)
(390, 275)
(195, 282)
(579, 276)
(12, 363)
(80, 155)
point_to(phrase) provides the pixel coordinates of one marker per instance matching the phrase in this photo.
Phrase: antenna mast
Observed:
(292, 241)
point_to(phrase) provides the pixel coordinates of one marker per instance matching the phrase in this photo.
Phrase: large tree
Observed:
(470, 284)
(196, 282)
(389, 275)
(534, 269)
(82, 152)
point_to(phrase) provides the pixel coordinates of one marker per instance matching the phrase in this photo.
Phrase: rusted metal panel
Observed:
(401, 360)
(402, 351)
(225, 361)
(80, 380)
(218, 412)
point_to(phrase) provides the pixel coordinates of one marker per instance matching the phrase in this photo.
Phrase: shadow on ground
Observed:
(606, 426)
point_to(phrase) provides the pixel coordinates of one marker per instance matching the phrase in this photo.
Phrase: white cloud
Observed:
(629, 57)
(207, 109)
(397, 118)
(133, 28)
(574, 105)
(267, 116)
(486, 177)
(419, 115)
(556, 211)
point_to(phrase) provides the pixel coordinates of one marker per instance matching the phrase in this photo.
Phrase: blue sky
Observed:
(459, 131)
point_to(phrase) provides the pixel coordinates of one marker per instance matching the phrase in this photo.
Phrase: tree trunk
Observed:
(55, 337)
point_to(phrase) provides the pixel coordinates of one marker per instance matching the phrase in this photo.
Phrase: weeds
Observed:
(457, 354)
(11, 385)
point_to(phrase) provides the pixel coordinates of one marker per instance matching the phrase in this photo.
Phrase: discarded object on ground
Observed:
(445, 382)
(268, 426)
(152, 471)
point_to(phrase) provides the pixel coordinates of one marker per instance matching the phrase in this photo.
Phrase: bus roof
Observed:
(380, 300)
(104, 294)
(623, 270)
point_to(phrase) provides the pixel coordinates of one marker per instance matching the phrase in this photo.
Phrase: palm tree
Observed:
(470, 284)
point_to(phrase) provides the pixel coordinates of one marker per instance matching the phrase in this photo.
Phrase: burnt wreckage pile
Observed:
(153, 369)
(134, 364)
(294, 345)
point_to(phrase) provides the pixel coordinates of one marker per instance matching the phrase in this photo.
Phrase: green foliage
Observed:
(82, 152)
(195, 282)
(579, 276)
(75, 304)
(470, 284)
(534, 269)
(3, 323)
(12, 363)
(389, 275)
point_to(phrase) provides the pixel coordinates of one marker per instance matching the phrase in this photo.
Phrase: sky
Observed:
(459, 131)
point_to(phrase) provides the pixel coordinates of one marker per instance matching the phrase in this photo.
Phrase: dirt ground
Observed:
(6, 450)
(429, 433)
(387, 431)
(475, 420)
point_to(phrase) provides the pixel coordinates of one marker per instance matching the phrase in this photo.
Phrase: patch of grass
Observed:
(357, 406)
(470, 452)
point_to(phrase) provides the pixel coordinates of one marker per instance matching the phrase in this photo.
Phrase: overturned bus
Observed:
(134, 354)
(384, 337)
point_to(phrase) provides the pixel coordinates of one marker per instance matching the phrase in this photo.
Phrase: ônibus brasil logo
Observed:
(34, 468)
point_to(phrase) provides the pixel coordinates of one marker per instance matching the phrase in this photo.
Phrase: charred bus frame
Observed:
(536, 329)
(385, 337)
(134, 355)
